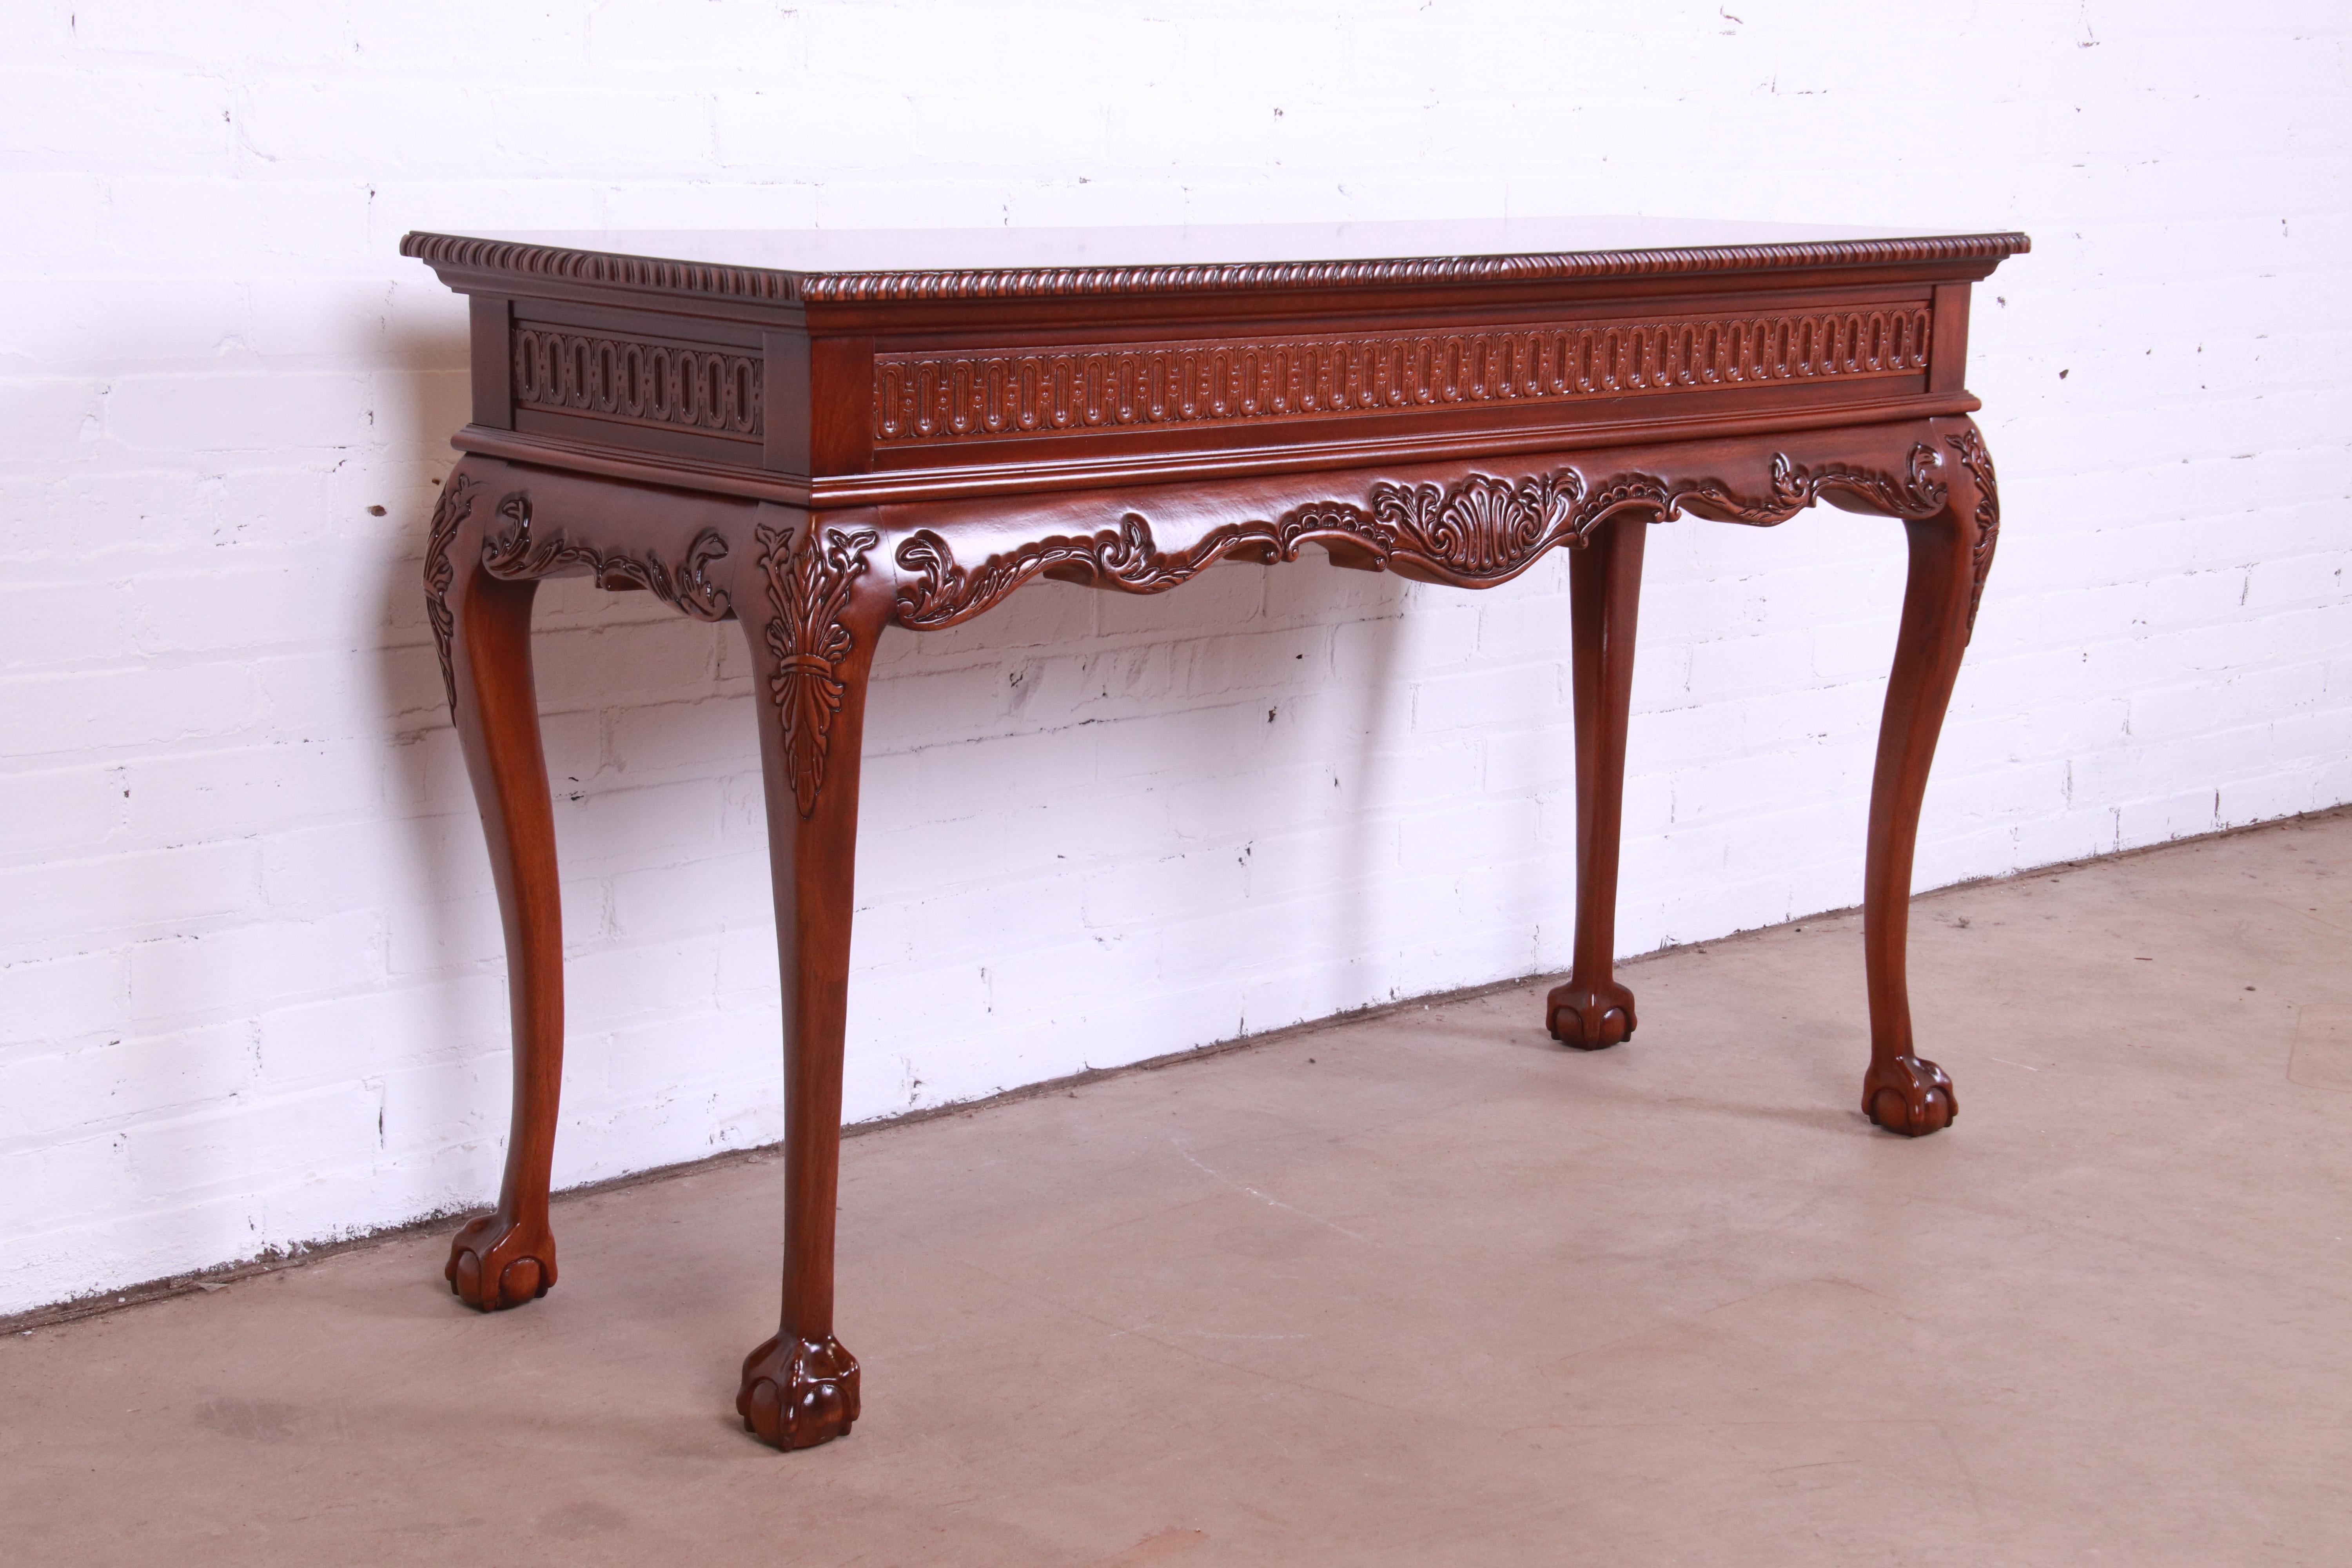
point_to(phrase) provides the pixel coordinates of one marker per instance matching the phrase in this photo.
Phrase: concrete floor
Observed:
(1419, 1289)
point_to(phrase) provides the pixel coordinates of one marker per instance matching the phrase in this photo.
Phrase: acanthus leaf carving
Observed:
(515, 552)
(449, 514)
(1970, 447)
(1475, 531)
(809, 580)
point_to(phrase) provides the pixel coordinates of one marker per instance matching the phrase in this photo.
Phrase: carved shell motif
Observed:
(1484, 525)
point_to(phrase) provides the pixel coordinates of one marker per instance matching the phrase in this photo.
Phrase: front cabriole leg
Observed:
(1951, 550)
(482, 627)
(812, 595)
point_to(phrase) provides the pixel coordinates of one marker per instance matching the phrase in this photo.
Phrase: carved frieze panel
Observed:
(679, 387)
(1008, 393)
(1476, 532)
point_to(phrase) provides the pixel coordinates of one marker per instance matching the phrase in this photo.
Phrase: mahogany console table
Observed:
(824, 434)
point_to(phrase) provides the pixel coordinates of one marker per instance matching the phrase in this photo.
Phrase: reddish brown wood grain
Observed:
(1592, 1010)
(763, 446)
(507, 1257)
(820, 608)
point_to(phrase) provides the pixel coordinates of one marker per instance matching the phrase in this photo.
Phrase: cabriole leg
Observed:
(1604, 585)
(812, 610)
(1950, 552)
(483, 626)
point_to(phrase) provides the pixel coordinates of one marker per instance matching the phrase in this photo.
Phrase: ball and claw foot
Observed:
(1588, 1017)
(798, 1393)
(1909, 1096)
(496, 1264)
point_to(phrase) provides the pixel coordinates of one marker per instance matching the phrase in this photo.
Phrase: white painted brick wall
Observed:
(250, 979)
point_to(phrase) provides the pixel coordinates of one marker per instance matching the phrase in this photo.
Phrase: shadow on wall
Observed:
(1142, 831)
(430, 799)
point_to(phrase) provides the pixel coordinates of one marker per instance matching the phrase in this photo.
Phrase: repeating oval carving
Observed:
(1046, 391)
(645, 383)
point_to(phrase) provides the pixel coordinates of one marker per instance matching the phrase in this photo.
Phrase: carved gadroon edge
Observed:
(1970, 445)
(1475, 532)
(515, 552)
(448, 515)
(808, 581)
(998, 393)
(655, 275)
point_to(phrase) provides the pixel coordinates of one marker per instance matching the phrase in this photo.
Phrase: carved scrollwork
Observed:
(1916, 493)
(514, 552)
(1477, 531)
(808, 583)
(448, 515)
(1970, 445)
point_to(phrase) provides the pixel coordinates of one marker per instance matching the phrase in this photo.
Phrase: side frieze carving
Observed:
(808, 580)
(514, 552)
(1475, 531)
(449, 514)
(1006, 392)
(680, 387)
(1970, 445)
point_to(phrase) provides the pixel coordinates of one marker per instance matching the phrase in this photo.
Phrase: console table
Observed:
(824, 433)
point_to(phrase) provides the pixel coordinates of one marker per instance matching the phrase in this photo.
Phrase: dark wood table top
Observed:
(850, 367)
